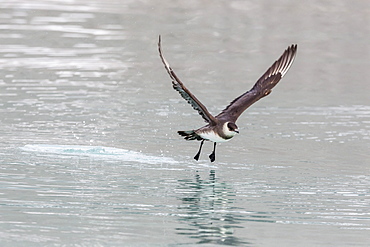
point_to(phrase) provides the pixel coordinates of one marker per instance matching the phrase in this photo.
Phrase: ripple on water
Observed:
(329, 124)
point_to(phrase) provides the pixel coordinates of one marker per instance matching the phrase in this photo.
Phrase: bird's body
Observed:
(214, 133)
(222, 127)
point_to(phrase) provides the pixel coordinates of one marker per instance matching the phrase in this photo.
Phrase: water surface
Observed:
(88, 148)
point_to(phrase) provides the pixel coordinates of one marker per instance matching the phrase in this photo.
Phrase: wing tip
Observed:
(293, 48)
(288, 57)
(159, 44)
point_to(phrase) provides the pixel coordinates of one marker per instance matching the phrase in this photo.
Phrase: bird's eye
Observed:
(231, 126)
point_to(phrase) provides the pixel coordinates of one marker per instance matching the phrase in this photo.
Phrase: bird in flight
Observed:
(222, 128)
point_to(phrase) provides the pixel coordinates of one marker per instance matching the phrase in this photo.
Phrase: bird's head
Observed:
(230, 129)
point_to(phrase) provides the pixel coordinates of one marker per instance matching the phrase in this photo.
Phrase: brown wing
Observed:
(184, 92)
(262, 87)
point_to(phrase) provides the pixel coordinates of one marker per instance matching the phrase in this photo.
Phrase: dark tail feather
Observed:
(190, 135)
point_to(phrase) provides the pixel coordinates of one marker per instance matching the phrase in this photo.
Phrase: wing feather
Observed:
(262, 87)
(184, 92)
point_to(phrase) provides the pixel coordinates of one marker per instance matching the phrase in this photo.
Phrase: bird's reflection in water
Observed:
(207, 210)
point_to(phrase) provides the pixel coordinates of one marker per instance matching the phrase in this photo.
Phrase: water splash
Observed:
(98, 152)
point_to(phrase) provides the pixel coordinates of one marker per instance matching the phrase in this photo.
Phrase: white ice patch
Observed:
(98, 152)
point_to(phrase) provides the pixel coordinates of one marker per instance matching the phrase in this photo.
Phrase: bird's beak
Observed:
(237, 131)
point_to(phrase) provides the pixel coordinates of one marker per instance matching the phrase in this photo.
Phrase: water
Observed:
(88, 147)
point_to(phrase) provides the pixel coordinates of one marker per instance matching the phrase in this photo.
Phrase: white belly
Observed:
(211, 136)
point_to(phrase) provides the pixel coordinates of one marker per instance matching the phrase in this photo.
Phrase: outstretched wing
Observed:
(262, 87)
(184, 92)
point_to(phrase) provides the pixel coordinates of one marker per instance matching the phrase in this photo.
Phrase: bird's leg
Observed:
(196, 157)
(212, 156)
